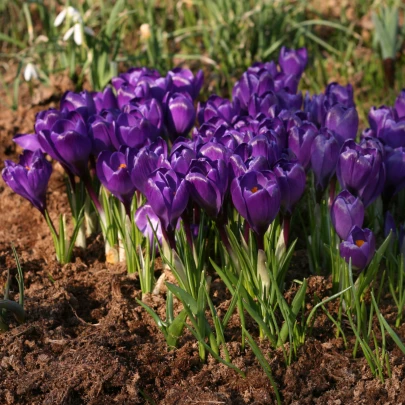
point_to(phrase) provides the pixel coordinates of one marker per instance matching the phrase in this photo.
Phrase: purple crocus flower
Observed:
(140, 83)
(300, 141)
(251, 83)
(105, 100)
(291, 180)
(346, 212)
(395, 171)
(180, 114)
(82, 102)
(378, 116)
(389, 224)
(337, 94)
(324, 155)
(400, 104)
(214, 151)
(143, 164)
(29, 177)
(184, 81)
(289, 101)
(361, 171)
(262, 104)
(168, 196)
(217, 107)
(134, 130)
(102, 130)
(316, 109)
(44, 120)
(344, 122)
(68, 142)
(237, 166)
(257, 198)
(392, 132)
(151, 110)
(293, 62)
(287, 82)
(359, 247)
(148, 223)
(207, 182)
(113, 173)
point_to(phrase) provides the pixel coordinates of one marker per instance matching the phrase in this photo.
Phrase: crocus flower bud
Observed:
(378, 116)
(344, 122)
(293, 62)
(389, 224)
(361, 171)
(400, 104)
(105, 100)
(180, 114)
(134, 130)
(68, 143)
(29, 177)
(44, 120)
(291, 180)
(143, 165)
(258, 83)
(359, 247)
(346, 212)
(289, 101)
(324, 155)
(102, 130)
(237, 166)
(335, 93)
(184, 81)
(287, 82)
(258, 105)
(392, 132)
(395, 171)
(207, 183)
(181, 158)
(148, 223)
(257, 198)
(113, 173)
(316, 108)
(168, 196)
(218, 107)
(300, 142)
(82, 102)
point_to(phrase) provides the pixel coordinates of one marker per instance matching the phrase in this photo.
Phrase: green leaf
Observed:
(184, 297)
(15, 308)
(160, 324)
(391, 332)
(175, 329)
(296, 306)
(16, 42)
(263, 362)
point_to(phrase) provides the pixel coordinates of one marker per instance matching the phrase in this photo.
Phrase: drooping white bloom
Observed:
(77, 29)
(30, 72)
(70, 12)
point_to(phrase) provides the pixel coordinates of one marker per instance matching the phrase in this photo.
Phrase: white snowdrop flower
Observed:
(76, 30)
(30, 72)
(71, 12)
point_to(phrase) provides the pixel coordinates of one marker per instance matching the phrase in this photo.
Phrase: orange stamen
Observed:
(359, 243)
(27, 168)
(122, 166)
(254, 189)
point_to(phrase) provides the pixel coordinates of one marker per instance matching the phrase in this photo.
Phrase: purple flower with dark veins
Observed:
(29, 177)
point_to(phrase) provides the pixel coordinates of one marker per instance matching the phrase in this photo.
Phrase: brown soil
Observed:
(86, 341)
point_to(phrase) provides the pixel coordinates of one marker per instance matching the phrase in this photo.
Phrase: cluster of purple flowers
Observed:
(253, 152)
